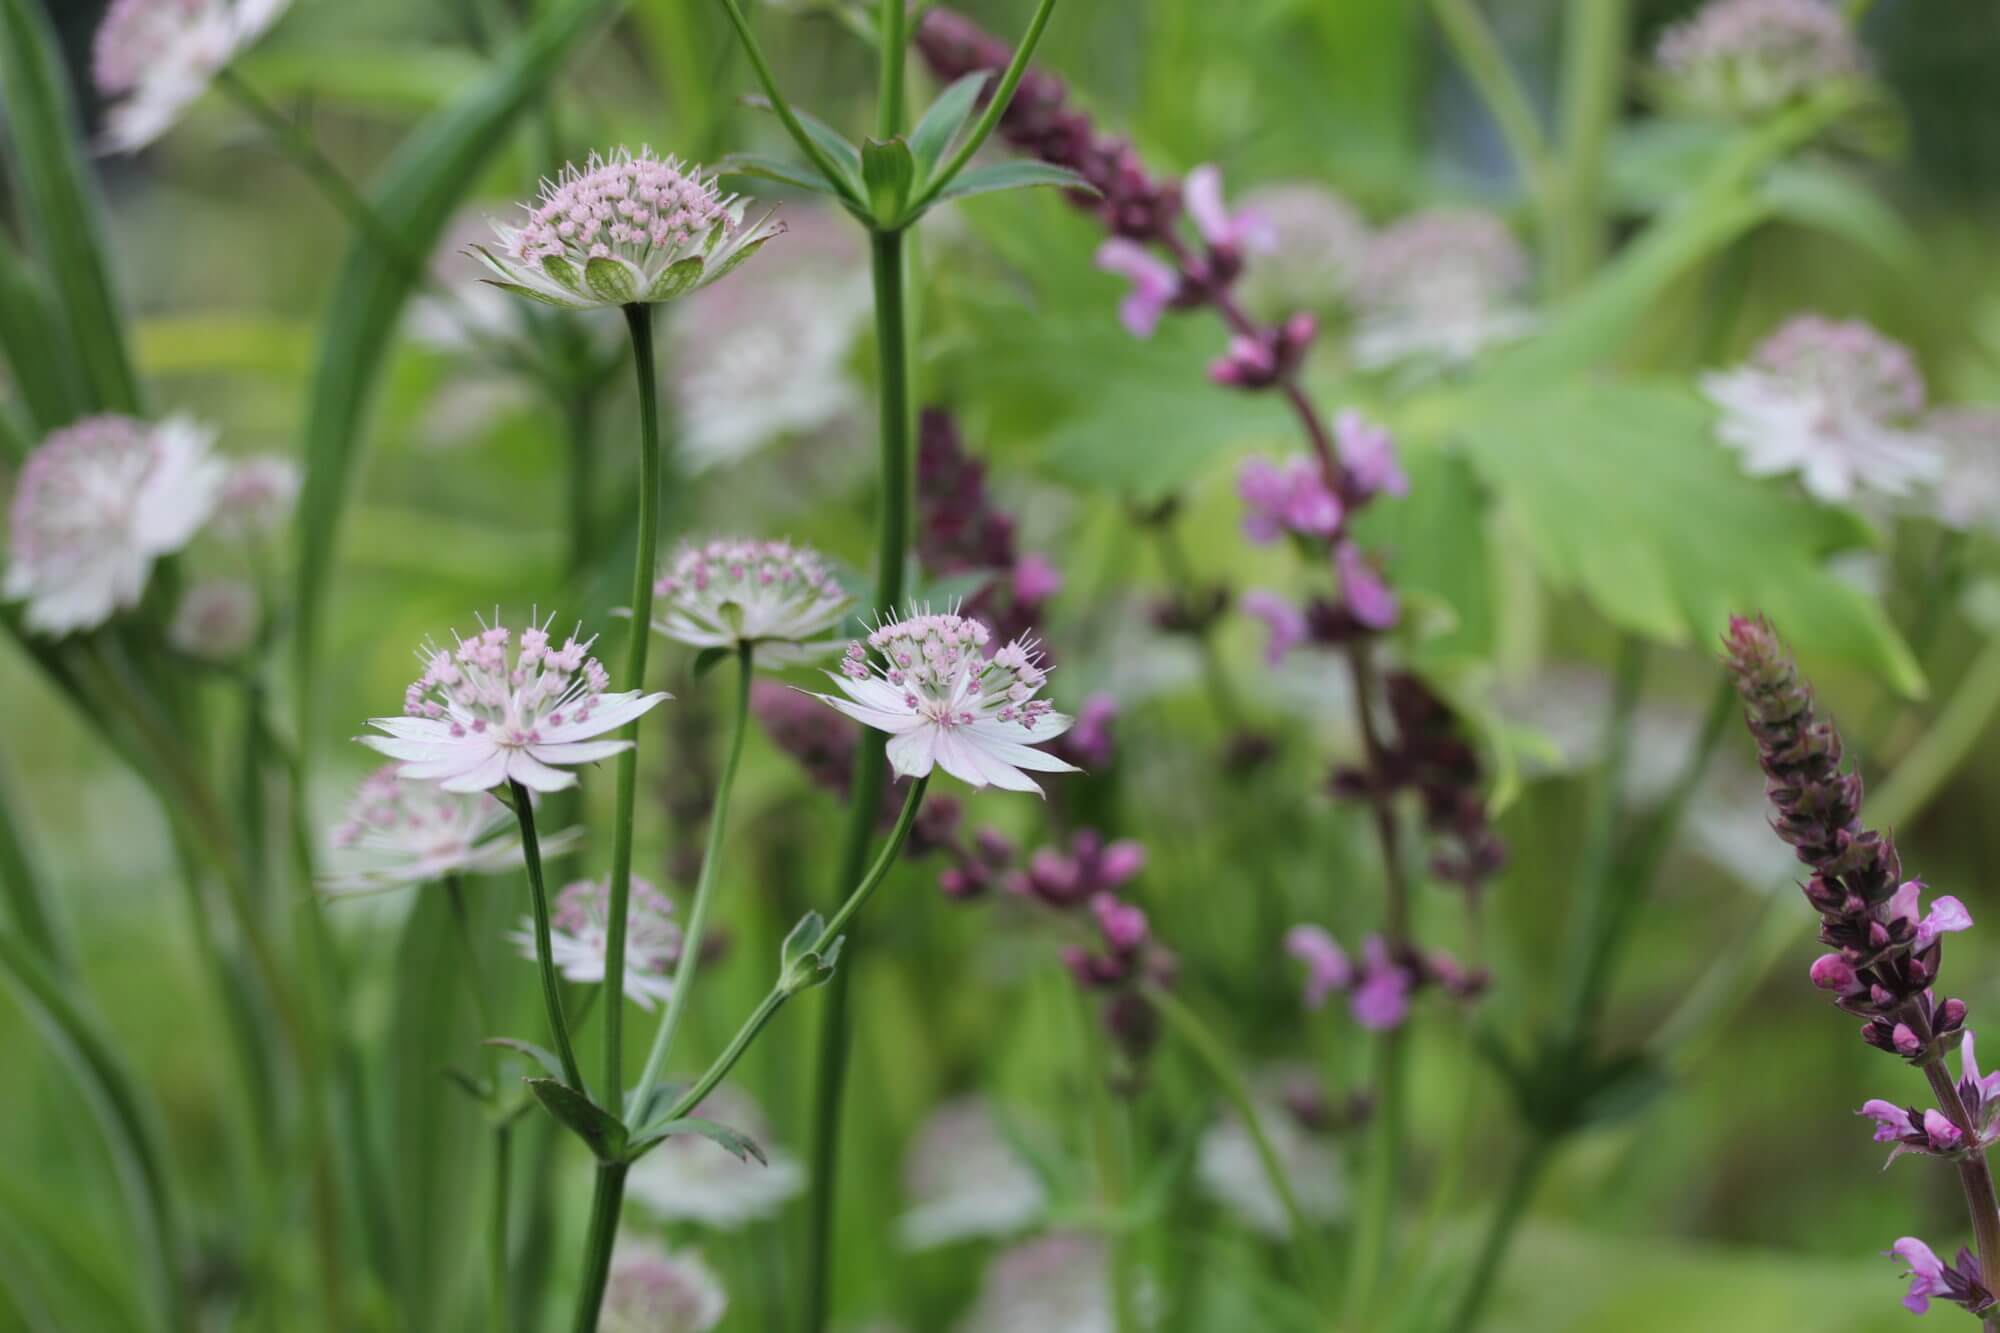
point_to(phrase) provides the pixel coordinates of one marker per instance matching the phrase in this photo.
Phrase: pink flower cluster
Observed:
(1380, 985)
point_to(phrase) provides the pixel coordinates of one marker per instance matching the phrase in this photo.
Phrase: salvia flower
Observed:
(94, 506)
(1438, 288)
(155, 57)
(476, 719)
(1366, 595)
(772, 595)
(1285, 622)
(1368, 452)
(691, 1179)
(624, 230)
(652, 1289)
(1155, 284)
(1231, 1171)
(1833, 401)
(966, 1179)
(1957, 1282)
(216, 620)
(1929, 1131)
(580, 930)
(1379, 987)
(1746, 57)
(1287, 497)
(1089, 867)
(257, 495)
(398, 833)
(947, 705)
(1240, 233)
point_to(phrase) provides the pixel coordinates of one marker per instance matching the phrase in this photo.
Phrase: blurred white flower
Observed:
(397, 833)
(1232, 1173)
(1745, 57)
(154, 57)
(1833, 401)
(580, 937)
(652, 1289)
(1437, 288)
(94, 506)
(258, 495)
(965, 1179)
(1320, 244)
(692, 1179)
(216, 620)
(1058, 1283)
(774, 595)
(1967, 439)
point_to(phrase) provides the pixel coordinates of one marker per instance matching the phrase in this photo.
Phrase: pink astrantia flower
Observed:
(688, 1178)
(966, 1179)
(1368, 452)
(580, 931)
(1745, 57)
(1319, 243)
(1155, 284)
(1288, 497)
(773, 595)
(216, 620)
(475, 720)
(1369, 598)
(94, 506)
(1833, 401)
(624, 230)
(154, 57)
(947, 705)
(1286, 623)
(1967, 496)
(1437, 288)
(258, 495)
(1245, 232)
(396, 834)
(652, 1289)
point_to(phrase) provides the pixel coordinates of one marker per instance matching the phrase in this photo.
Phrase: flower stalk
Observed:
(531, 853)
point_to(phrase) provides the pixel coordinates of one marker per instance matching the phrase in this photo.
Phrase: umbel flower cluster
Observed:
(722, 593)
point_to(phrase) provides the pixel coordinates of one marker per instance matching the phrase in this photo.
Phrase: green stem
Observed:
(1479, 51)
(895, 46)
(531, 853)
(996, 107)
(786, 116)
(499, 1306)
(1594, 47)
(704, 895)
(1369, 1251)
(1111, 1170)
(1514, 1199)
(26, 898)
(606, 1200)
(475, 978)
(1596, 866)
(639, 321)
(865, 792)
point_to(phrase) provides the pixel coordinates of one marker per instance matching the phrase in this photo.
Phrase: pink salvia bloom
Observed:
(1124, 925)
(1124, 859)
(579, 926)
(1327, 967)
(476, 719)
(155, 57)
(1944, 1136)
(1834, 973)
(1381, 998)
(774, 595)
(624, 230)
(1288, 497)
(1926, 1273)
(1369, 598)
(1286, 623)
(1036, 580)
(1368, 452)
(94, 506)
(945, 704)
(1240, 233)
(1155, 284)
(1892, 1122)
(1947, 916)
(1905, 1039)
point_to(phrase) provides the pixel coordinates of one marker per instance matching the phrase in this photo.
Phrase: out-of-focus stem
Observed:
(499, 1305)
(1594, 47)
(606, 1202)
(531, 853)
(1507, 1214)
(1214, 672)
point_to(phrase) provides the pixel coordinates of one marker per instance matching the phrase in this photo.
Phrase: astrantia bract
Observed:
(580, 932)
(398, 833)
(947, 705)
(95, 506)
(475, 720)
(624, 230)
(774, 595)
(154, 57)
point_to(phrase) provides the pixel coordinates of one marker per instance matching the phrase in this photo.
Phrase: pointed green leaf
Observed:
(1012, 176)
(470, 1084)
(830, 140)
(597, 1127)
(943, 119)
(888, 170)
(611, 279)
(776, 169)
(543, 1057)
(737, 256)
(44, 376)
(740, 1145)
(680, 276)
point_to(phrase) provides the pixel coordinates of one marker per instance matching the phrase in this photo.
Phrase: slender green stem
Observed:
(606, 1201)
(639, 320)
(26, 899)
(475, 977)
(1370, 1243)
(786, 116)
(895, 46)
(1514, 1200)
(1595, 867)
(531, 853)
(704, 895)
(1479, 51)
(1594, 48)
(865, 792)
(995, 107)
(499, 1304)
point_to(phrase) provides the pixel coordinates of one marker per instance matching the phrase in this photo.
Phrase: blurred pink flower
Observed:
(154, 57)
(1155, 285)
(1287, 497)
(580, 925)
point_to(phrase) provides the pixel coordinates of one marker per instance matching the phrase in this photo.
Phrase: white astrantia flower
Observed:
(258, 495)
(1748, 57)
(396, 834)
(624, 230)
(775, 596)
(1967, 439)
(475, 720)
(155, 57)
(1058, 1283)
(94, 506)
(1320, 242)
(1833, 401)
(580, 936)
(652, 1289)
(688, 1178)
(216, 620)
(1439, 287)
(965, 1179)
(947, 705)
(1231, 1171)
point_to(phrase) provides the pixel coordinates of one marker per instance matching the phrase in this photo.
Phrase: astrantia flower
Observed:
(772, 595)
(1232, 1171)
(1957, 1282)
(652, 1289)
(1744, 57)
(692, 1179)
(95, 505)
(1967, 440)
(966, 1179)
(154, 57)
(1440, 287)
(398, 833)
(580, 929)
(216, 620)
(474, 720)
(1833, 401)
(625, 230)
(257, 495)
(947, 705)
(1319, 243)
(1286, 497)
(1055, 1284)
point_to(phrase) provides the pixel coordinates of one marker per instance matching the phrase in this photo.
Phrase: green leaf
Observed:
(795, 174)
(740, 1145)
(550, 1065)
(1825, 198)
(888, 170)
(1434, 542)
(418, 191)
(1012, 176)
(943, 119)
(60, 201)
(44, 377)
(597, 1127)
(830, 140)
(1623, 495)
(470, 1084)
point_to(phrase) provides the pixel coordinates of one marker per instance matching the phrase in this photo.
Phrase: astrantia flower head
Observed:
(1968, 441)
(476, 718)
(216, 620)
(1319, 244)
(692, 1179)
(1440, 287)
(773, 595)
(580, 929)
(95, 505)
(154, 57)
(1744, 57)
(625, 230)
(652, 1289)
(946, 704)
(398, 833)
(257, 495)
(1055, 1282)
(966, 1179)
(1835, 402)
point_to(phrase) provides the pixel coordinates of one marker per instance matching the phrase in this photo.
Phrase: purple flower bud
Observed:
(1833, 973)
(1368, 598)
(1892, 1122)
(1035, 579)
(1906, 1040)
(1124, 925)
(1122, 860)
